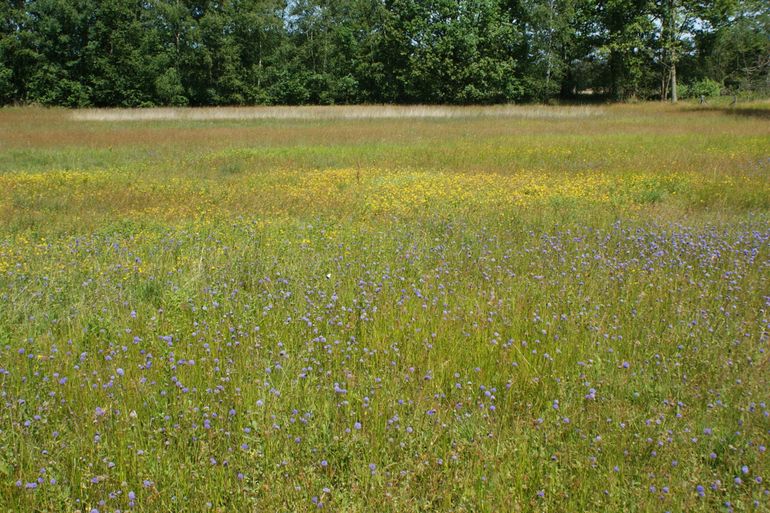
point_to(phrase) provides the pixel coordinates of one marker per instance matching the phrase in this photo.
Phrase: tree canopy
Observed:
(233, 52)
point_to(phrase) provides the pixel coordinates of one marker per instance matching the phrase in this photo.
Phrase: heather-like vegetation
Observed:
(535, 310)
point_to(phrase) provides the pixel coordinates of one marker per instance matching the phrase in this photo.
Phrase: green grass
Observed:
(451, 314)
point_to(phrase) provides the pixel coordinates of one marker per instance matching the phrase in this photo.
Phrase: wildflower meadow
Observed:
(476, 310)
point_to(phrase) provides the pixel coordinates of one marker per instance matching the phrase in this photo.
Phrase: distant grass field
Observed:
(385, 309)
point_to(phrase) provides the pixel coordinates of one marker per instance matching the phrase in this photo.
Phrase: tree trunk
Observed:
(547, 94)
(674, 97)
(672, 49)
(616, 76)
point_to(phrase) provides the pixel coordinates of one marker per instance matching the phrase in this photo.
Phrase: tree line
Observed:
(231, 52)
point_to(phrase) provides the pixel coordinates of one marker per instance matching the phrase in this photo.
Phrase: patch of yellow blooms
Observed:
(80, 198)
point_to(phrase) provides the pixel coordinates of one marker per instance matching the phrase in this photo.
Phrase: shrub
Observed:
(705, 87)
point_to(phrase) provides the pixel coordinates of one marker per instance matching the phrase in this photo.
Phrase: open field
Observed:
(385, 309)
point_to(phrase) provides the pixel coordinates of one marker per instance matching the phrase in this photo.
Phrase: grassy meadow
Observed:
(503, 309)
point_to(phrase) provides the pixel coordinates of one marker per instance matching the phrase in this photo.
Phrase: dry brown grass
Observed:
(335, 112)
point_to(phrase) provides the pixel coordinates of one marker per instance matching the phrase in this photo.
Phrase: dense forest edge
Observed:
(144, 53)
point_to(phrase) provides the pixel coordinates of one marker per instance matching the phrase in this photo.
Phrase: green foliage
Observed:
(6, 84)
(706, 88)
(51, 85)
(740, 57)
(168, 88)
(171, 52)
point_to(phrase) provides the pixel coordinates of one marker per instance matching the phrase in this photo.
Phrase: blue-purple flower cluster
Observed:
(432, 363)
